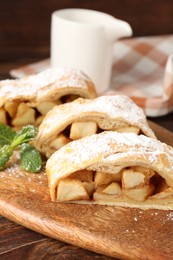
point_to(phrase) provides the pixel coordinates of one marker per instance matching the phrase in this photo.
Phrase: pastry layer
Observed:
(84, 117)
(27, 100)
(112, 168)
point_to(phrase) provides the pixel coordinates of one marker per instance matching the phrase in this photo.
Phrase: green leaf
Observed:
(7, 134)
(27, 134)
(29, 131)
(31, 160)
(9, 140)
(5, 153)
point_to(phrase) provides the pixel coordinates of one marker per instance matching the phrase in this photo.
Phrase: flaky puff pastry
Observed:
(84, 117)
(127, 170)
(27, 100)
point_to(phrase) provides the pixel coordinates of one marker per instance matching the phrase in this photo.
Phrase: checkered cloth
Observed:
(142, 69)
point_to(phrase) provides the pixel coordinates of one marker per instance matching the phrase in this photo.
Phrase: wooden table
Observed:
(17, 242)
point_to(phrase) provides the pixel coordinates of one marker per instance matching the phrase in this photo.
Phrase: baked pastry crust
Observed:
(107, 112)
(115, 154)
(56, 85)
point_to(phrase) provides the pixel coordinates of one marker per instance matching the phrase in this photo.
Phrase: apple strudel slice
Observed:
(110, 168)
(27, 100)
(84, 117)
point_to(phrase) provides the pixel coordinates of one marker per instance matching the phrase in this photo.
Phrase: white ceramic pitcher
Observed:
(84, 39)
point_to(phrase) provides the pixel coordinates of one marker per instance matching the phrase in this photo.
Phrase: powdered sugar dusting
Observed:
(115, 107)
(109, 143)
(41, 83)
(170, 216)
(107, 146)
(108, 111)
(22, 181)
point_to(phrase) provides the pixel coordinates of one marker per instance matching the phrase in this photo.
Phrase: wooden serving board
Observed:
(114, 231)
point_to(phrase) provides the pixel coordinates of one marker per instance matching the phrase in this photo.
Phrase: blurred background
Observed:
(25, 25)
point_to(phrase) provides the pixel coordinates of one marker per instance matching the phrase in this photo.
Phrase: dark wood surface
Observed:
(26, 24)
(25, 38)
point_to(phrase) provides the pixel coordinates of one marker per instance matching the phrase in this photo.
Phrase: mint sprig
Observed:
(25, 135)
(31, 160)
(10, 140)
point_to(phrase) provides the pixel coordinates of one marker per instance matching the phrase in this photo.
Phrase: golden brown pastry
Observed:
(111, 168)
(27, 100)
(84, 117)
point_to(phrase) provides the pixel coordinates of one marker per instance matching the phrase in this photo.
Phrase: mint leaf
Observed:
(31, 160)
(7, 134)
(27, 134)
(10, 140)
(5, 153)
(29, 131)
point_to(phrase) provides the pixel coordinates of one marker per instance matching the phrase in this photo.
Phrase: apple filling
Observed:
(80, 129)
(133, 183)
(18, 113)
